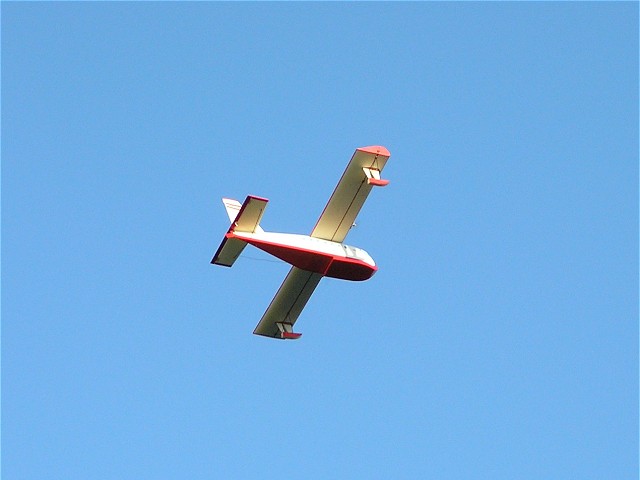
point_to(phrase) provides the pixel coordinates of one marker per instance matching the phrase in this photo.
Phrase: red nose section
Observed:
(350, 269)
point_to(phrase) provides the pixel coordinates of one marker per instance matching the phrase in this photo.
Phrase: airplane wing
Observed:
(362, 173)
(286, 306)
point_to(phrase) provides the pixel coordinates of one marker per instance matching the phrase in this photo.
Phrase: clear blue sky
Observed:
(499, 338)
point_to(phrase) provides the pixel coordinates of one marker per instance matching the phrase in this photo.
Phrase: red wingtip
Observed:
(376, 150)
(262, 199)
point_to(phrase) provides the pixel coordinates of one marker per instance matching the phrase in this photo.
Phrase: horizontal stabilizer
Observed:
(249, 216)
(228, 251)
(244, 218)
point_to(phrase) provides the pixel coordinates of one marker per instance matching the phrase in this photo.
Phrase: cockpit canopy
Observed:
(358, 253)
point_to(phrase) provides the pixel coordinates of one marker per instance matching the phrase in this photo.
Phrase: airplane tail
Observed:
(233, 207)
(244, 218)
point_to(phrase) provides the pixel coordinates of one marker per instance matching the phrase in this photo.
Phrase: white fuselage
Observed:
(329, 258)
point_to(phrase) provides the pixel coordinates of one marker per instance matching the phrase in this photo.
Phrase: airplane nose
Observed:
(351, 270)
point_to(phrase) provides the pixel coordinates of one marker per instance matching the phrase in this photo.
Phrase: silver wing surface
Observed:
(361, 175)
(286, 306)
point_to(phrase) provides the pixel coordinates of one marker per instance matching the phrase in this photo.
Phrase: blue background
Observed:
(499, 339)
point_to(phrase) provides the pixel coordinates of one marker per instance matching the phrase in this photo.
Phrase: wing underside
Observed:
(362, 173)
(286, 306)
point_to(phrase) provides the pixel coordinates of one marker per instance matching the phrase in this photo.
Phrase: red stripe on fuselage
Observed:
(325, 264)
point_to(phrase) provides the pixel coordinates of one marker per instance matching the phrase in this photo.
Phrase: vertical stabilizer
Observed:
(233, 208)
(245, 217)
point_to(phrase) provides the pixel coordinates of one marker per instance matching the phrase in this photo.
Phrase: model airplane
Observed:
(321, 254)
